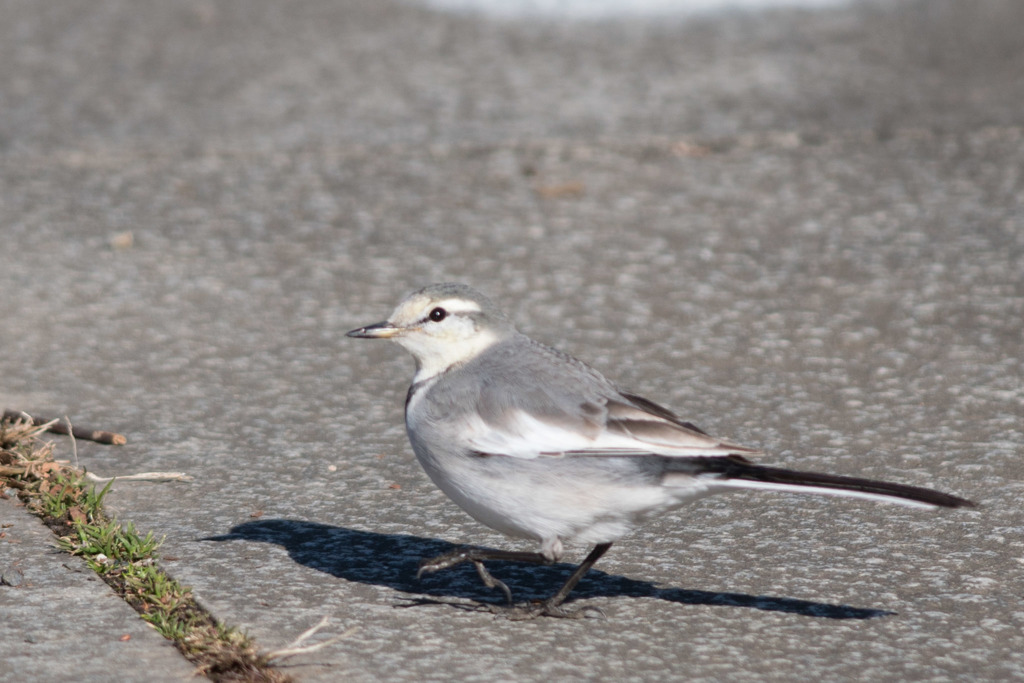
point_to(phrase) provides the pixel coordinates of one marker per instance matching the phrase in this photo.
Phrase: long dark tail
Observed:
(736, 471)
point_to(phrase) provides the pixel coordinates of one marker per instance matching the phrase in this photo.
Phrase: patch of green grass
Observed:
(109, 545)
(124, 558)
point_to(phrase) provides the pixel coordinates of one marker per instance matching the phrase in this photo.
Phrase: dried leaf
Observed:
(690, 149)
(563, 190)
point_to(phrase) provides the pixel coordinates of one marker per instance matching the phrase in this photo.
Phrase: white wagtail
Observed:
(536, 444)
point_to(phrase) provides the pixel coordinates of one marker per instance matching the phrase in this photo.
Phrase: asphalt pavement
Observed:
(801, 229)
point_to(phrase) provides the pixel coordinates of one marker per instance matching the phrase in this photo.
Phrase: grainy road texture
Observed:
(803, 230)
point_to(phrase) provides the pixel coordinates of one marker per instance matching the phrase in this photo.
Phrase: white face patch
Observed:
(416, 311)
(438, 344)
(457, 306)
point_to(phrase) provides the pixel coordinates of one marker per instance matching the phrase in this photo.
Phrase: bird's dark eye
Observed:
(438, 314)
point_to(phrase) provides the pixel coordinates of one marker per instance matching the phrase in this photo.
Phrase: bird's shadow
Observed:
(392, 560)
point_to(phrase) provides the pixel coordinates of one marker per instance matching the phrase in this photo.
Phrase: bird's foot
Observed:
(451, 559)
(546, 608)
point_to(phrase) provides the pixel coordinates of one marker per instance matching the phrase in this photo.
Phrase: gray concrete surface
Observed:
(803, 230)
(61, 622)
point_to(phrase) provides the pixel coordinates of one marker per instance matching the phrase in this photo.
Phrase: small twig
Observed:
(296, 647)
(84, 433)
(141, 476)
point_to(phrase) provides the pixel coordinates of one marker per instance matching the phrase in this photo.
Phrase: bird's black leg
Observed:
(477, 556)
(492, 582)
(552, 607)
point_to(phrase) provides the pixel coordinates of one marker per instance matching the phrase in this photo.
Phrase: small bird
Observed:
(538, 445)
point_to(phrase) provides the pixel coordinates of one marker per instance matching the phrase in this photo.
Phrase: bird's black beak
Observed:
(384, 330)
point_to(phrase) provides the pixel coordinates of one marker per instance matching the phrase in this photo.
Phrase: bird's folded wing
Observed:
(624, 425)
